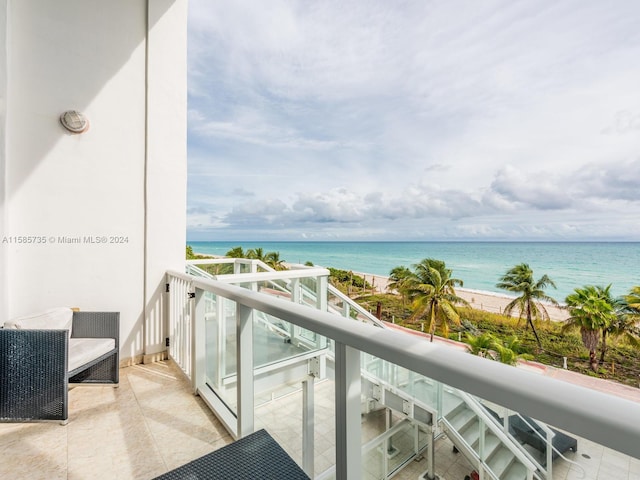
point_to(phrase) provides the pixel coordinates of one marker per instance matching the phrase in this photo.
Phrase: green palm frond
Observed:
(519, 279)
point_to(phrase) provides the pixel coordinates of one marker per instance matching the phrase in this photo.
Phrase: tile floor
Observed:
(149, 425)
(152, 424)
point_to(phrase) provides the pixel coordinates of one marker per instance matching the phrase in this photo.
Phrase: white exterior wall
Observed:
(3, 98)
(166, 142)
(112, 181)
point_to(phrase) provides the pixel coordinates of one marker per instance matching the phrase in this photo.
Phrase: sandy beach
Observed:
(487, 301)
(481, 300)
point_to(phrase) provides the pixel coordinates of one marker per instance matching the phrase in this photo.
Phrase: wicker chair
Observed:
(34, 376)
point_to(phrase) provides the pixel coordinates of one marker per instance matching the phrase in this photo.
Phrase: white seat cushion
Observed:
(83, 350)
(53, 319)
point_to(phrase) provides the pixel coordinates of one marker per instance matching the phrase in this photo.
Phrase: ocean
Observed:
(478, 264)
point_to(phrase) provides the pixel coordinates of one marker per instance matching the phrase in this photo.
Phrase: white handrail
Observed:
(570, 407)
(376, 321)
(473, 404)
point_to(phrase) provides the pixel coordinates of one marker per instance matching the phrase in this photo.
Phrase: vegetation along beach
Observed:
(561, 304)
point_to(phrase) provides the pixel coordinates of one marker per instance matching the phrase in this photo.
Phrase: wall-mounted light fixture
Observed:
(74, 121)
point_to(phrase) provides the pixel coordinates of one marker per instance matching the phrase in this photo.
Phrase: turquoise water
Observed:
(478, 264)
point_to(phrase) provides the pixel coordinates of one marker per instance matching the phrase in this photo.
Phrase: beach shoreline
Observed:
(486, 301)
(480, 300)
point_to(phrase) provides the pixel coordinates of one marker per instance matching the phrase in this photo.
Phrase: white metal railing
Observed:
(181, 318)
(609, 420)
(485, 420)
(334, 295)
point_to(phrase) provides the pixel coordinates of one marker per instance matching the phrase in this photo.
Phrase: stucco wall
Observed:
(85, 198)
(3, 98)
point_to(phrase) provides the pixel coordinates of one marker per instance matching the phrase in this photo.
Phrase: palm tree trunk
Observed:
(533, 328)
(593, 360)
(432, 320)
(603, 348)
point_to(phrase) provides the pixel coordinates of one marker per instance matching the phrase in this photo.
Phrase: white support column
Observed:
(198, 342)
(308, 447)
(321, 293)
(4, 258)
(221, 356)
(348, 427)
(295, 290)
(244, 362)
(430, 455)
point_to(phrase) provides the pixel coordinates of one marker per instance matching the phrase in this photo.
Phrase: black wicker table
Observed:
(255, 456)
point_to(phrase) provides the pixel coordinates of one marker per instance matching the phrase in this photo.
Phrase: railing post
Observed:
(198, 342)
(244, 362)
(481, 439)
(431, 467)
(308, 447)
(295, 290)
(348, 428)
(549, 465)
(321, 293)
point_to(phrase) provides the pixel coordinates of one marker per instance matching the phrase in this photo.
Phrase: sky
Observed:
(413, 120)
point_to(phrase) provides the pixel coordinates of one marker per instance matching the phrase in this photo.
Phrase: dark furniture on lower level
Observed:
(531, 433)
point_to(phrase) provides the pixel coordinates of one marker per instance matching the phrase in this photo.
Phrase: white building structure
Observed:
(93, 220)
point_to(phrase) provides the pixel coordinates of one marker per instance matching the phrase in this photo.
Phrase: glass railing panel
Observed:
(399, 411)
(400, 447)
(280, 408)
(244, 268)
(280, 288)
(336, 304)
(221, 347)
(389, 441)
(275, 340)
(416, 386)
(214, 339)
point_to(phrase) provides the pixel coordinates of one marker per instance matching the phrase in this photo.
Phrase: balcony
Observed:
(345, 397)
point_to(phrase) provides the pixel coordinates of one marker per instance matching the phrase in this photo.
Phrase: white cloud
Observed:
(449, 119)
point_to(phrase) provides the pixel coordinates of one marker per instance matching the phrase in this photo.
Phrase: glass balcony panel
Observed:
(214, 336)
(280, 408)
(400, 447)
(279, 288)
(221, 347)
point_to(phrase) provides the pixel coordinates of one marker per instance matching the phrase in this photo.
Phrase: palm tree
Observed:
(591, 313)
(511, 350)
(488, 346)
(617, 324)
(519, 279)
(627, 318)
(256, 254)
(431, 289)
(481, 344)
(235, 252)
(632, 301)
(399, 277)
(273, 260)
